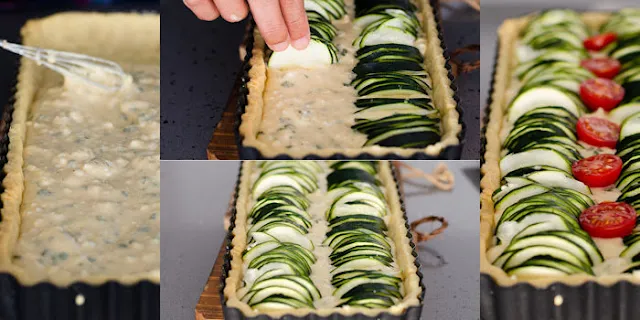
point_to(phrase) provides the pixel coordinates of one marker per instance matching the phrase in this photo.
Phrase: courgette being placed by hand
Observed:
(321, 51)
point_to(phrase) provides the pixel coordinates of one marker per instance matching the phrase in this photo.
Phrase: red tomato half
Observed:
(601, 93)
(597, 42)
(598, 171)
(598, 132)
(609, 220)
(602, 67)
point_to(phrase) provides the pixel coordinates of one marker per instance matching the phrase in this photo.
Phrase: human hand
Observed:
(281, 22)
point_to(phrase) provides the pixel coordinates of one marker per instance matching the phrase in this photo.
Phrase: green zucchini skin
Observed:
(539, 201)
(279, 256)
(632, 251)
(395, 107)
(321, 50)
(627, 51)
(277, 247)
(540, 126)
(550, 237)
(623, 23)
(363, 270)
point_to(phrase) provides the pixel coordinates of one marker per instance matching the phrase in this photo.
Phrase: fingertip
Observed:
(234, 18)
(203, 9)
(302, 43)
(237, 17)
(280, 46)
(233, 10)
(207, 16)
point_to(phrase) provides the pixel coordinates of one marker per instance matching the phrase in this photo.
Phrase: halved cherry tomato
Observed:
(598, 171)
(609, 220)
(602, 67)
(598, 132)
(597, 42)
(601, 93)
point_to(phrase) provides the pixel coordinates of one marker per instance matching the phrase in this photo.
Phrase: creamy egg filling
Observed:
(91, 204)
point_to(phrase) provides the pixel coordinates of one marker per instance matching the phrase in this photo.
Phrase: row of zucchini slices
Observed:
(626, 50)
(542, 207)
(363, 269)
(280, 255)
(394, 103)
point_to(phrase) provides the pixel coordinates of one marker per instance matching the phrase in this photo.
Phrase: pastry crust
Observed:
(442, 97)
(122, 37)
(397, 232)
(508, 34)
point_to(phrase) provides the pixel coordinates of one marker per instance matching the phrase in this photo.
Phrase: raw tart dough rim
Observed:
(508, 33)
(442, 97)
(29, 77)
(397, 232)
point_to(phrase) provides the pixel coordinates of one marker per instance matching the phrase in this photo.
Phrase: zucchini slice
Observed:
(632, 242)
(320, 52)
(558, 179)
(386, 35)
(535, 157)
(630, 126)
(544, 96)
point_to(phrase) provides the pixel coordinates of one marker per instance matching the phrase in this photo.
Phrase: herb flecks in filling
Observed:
(92, 181)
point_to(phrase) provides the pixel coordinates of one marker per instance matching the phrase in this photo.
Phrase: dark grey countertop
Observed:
(195, 196)
(200, 63)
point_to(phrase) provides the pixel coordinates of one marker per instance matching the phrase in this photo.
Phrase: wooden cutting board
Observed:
(223, 142)
(209, 306)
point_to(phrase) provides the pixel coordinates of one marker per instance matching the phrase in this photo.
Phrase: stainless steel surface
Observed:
(195, 196)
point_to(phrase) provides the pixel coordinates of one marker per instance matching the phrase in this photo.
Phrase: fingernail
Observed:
(234, 18)
(301, 43)
(280, 46)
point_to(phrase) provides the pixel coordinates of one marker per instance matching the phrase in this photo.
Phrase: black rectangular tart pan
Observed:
(411, 313)
(250, 153)
(78, 301)
(45, 301)
(558, 301)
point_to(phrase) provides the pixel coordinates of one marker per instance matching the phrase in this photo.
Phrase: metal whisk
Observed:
(71, 64)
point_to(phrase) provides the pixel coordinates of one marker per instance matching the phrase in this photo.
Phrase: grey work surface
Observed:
(494, 12)
(200, 62)
(195, 196)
